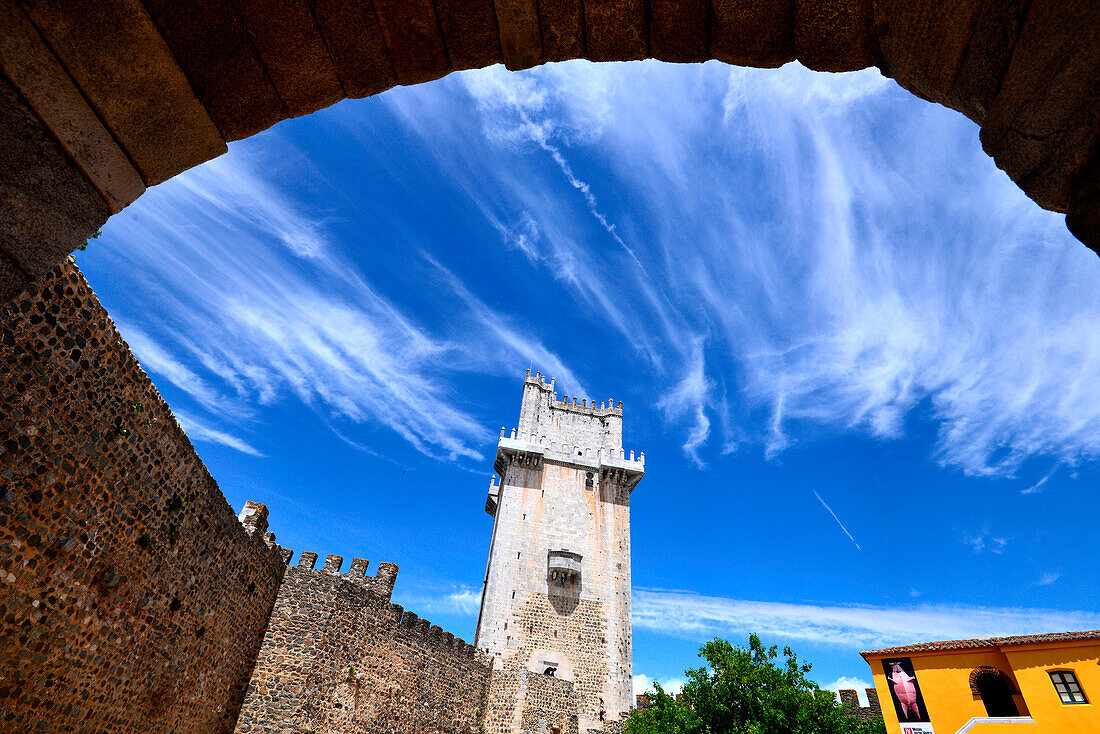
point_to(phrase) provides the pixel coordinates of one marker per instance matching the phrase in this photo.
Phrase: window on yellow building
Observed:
(1068, 689)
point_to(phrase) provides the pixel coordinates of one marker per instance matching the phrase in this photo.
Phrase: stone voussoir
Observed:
(756, 33)
(216, 53)
(124, 67)
(1045, 121)
(30, 64)
(294, 53)
(413, 37)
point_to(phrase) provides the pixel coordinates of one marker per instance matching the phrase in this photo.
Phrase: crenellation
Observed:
(372, 666)
(333, 564)
(307, 560)
(849, 700)
(254, 517)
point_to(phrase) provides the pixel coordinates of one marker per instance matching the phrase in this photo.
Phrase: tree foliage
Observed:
(748, 690)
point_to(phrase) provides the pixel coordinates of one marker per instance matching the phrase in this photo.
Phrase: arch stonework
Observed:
(989, 670)
(102, 98)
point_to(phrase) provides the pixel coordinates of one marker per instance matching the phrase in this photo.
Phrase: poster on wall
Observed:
(906, 695)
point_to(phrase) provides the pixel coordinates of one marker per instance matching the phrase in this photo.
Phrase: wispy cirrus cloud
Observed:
(983, 540)
(696, 616)
(847, 253)
(258, 305)
(200, 431)
(459, 600)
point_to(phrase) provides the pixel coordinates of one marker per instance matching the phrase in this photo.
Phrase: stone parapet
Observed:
(338, 657)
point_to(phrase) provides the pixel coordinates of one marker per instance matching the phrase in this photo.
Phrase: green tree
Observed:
(744, 690)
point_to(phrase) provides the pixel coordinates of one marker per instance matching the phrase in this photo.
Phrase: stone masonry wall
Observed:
(131, 599)
(550, 706)
(849, 699)
(339, 658)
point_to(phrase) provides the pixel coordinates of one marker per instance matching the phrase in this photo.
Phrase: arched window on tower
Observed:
(589, 480)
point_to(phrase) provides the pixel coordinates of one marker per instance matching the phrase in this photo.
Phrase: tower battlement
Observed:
(381, 583)
(584, 428)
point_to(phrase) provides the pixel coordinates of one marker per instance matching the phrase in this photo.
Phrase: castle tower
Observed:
(555, 609)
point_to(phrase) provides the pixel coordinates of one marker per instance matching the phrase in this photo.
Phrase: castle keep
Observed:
(555, 609)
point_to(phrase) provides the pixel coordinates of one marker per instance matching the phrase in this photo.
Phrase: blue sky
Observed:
(861, 363)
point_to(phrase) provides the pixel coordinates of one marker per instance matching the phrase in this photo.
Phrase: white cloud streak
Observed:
(257, 306)
(695, 616)
(838, 522)
(847, 254)
(199, 431)
(461, 601)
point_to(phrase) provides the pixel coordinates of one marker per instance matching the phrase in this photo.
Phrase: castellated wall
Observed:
(131, 599)
(339, 658)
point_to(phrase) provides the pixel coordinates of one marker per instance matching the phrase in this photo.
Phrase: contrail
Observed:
(838, 522)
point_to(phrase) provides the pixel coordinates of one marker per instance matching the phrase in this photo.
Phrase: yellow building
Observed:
(1039, 684)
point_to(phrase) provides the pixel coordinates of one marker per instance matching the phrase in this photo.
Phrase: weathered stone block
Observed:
(616, 30)
(412, 34)
(124, 67)
(562, 26)
(470, 32)
(355, 43)
(987, 56)
(49, 206)
(520, 40)
(922, 42)
(293, 52)
(1083, 217)
(1045, 120)
(43, 82)
(752, 32)
(678, 30)
(214, 50)
(835, 35)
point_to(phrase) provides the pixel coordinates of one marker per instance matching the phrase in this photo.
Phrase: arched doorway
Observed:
(995, 691)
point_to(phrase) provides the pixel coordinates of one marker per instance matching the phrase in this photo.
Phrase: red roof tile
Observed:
(986, 642)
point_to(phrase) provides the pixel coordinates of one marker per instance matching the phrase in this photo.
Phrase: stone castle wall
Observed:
(849, 699)
(339, 658)
(131, 598)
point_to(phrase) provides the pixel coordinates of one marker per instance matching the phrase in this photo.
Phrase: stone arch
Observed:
(989, 670)
(103, 98)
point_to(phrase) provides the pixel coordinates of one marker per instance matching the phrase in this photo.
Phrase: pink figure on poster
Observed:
(904, 690)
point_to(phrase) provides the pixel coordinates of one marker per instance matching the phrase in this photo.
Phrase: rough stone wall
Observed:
(849, 699)
(549, 706)
(339, 658)
(131, 598)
